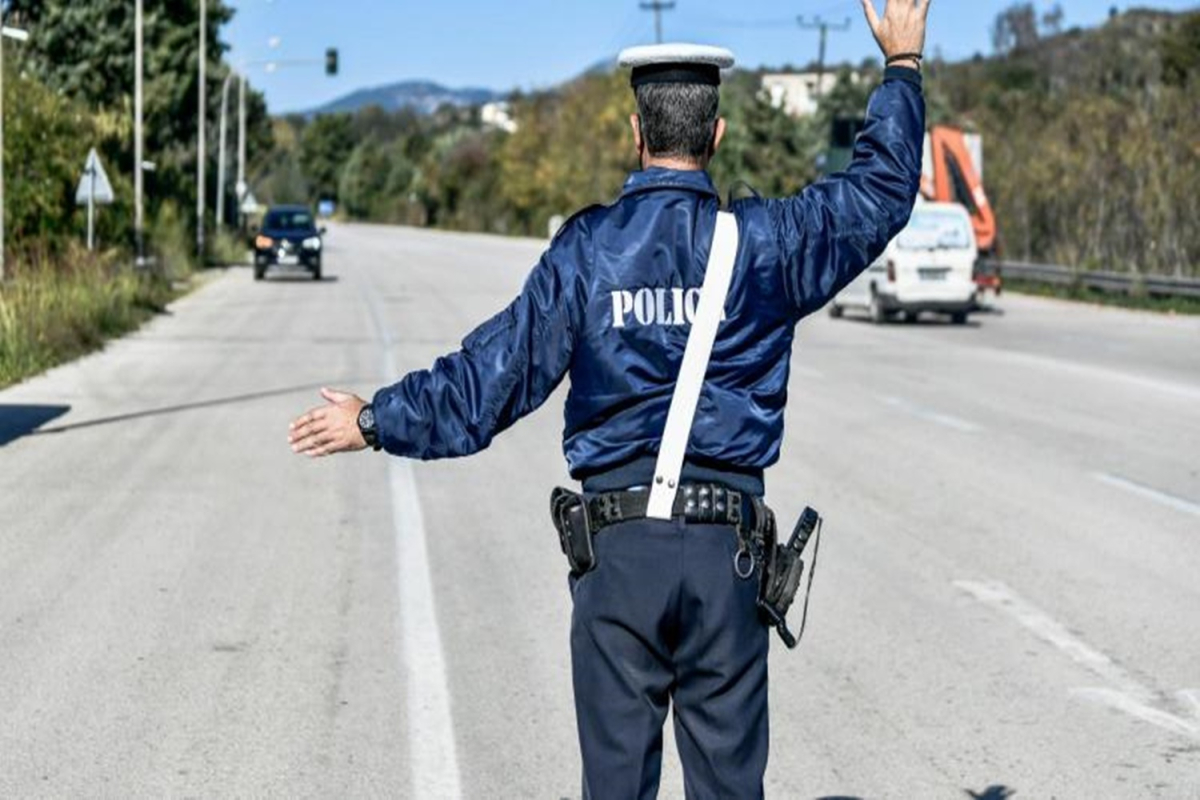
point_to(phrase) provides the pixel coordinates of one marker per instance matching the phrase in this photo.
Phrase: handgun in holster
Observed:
(783, 567)
(570, 514)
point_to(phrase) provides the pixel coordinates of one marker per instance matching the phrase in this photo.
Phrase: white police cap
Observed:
(676, 63)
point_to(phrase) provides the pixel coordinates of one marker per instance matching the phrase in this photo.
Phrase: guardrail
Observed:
(1120, 282)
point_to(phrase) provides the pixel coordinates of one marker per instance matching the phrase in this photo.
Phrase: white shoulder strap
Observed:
(696, 355)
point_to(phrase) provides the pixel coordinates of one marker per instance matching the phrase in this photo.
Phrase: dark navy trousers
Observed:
(664, 621)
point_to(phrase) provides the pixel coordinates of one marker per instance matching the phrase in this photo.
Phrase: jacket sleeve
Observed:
(507, 367)
(835, 228)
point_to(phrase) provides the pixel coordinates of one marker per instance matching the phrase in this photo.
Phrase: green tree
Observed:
(46, 140)
(325, 146)
(364, 180)
(764, 148)
(85, 52)
(1181, 53)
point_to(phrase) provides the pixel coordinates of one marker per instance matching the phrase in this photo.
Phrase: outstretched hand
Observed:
(902, 28)
(331, 428)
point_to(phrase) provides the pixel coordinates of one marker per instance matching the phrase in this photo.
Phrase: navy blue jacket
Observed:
(611, 301)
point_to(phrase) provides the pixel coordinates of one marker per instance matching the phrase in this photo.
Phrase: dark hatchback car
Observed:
(289, 237)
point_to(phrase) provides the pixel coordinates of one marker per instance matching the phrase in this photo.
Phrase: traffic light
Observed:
(331, 61)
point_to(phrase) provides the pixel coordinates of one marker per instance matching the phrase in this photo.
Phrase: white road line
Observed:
(1170, 500)
(1002, 598)
(1191, 700)
(1184, 390)
(430, 721)
(1128, 696)
(1139, 710)
(432, 751)
(945, 420)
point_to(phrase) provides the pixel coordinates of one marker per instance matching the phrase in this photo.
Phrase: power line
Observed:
(658, 6)
(821, 24)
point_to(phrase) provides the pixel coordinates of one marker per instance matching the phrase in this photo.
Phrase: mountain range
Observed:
(424, 97)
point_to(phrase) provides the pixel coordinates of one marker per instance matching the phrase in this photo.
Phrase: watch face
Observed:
(366, 419)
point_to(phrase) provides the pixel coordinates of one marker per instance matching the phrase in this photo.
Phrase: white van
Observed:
(930, 266)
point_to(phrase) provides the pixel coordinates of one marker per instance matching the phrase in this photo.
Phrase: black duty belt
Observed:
(705, 503)
(578, 518)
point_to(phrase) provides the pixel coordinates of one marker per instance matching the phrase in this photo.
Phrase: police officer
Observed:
(665, 616)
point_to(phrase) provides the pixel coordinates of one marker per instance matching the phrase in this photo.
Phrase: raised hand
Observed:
(902, 28)
(329, 429)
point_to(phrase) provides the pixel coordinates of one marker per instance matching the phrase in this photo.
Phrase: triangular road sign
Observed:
(94, 182)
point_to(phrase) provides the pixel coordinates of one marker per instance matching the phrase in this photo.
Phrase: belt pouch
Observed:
(570, 514)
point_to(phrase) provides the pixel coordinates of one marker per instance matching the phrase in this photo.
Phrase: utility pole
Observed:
(221, 148)
(240, 188)
(201, 133)
(819, 23)
(331, 68)
(139, 219)
(658, 6)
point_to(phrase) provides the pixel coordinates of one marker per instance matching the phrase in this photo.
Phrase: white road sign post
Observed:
(249, 203)
(94, 187)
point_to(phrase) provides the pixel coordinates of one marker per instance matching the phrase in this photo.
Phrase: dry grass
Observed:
(55, 308)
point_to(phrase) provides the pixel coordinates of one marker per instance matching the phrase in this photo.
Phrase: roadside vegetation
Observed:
(1092, 148)
(1082, 294)
(54, 310)
(67, 90)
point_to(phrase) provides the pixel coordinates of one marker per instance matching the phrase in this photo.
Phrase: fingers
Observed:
(872, 16)
(327, 430)
(901, 28)
(335, 396)
(302, 425)
(321, 442)
(308, 430)
(312, 439)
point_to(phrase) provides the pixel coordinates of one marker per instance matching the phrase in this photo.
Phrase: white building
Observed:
(797, 93)
(498, 115)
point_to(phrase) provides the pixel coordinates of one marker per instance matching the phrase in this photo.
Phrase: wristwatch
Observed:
(366, 426)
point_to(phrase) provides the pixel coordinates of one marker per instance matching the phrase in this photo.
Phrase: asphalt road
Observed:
(1007, 599)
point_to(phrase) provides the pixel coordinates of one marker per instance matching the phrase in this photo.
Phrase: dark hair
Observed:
(678, 120)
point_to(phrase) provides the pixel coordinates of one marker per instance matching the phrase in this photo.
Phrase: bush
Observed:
(169, 240)
(57, 307)
(227, 248)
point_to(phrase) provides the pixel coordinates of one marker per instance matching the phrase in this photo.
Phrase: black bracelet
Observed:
(917, 57)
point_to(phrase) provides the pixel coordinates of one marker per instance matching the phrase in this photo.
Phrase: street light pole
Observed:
(20, 36)
(203, 58)
(241, 172)
(221, 154)
(139, 219)
(271, 65)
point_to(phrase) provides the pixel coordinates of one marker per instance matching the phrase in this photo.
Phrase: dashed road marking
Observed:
(1126, 694)
(1163, 498)
(929, 415)
(1186, 391)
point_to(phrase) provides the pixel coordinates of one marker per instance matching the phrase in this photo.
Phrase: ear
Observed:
(635, 122)
(720, 134)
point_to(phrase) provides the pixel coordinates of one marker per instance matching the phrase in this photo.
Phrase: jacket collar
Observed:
(661, 178)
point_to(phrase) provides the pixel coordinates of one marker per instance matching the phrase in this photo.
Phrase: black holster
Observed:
(570, 514)
(782, 570)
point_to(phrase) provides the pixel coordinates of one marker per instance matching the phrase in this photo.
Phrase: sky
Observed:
(530, 44)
